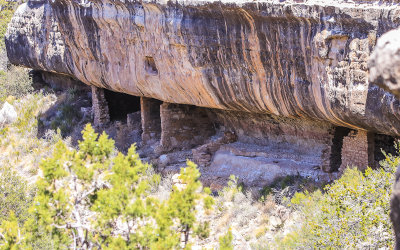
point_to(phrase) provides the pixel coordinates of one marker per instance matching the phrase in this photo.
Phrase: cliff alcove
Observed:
(121, 104)
(337, 147)
(279, 85)
(385, 143)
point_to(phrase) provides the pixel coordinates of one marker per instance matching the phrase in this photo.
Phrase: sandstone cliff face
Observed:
(302, 59)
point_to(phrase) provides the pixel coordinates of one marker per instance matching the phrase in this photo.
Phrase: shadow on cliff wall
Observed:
(72, 110)
(373, 108)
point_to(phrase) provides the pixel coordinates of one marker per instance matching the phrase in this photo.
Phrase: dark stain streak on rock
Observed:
(301, 60)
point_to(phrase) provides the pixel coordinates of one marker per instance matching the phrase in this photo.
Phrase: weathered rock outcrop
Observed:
(384, 66)
(385, 72)
(385, 63)
(288, 78)
(305, 59)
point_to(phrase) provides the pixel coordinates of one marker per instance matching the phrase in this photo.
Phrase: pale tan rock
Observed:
(385, 62)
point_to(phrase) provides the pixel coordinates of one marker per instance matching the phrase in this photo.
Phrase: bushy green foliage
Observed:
(15, 82)
(6, 12)
(21, 152)
(283, 188)
(97, 197)
(225, 241)
(15, 196)
(232, 188)
(15, 199)
(352, 213)
(27, 118)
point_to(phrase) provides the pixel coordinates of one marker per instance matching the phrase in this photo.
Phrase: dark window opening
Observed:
(150, 65)
(120, 105)
(385, 143)
(336, 149)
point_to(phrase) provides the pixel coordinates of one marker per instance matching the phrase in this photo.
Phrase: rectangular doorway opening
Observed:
(120, 105)
(385, 143)
(336, 148)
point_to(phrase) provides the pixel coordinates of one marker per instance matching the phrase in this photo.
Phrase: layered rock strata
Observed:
(287, 77)
(306, 60)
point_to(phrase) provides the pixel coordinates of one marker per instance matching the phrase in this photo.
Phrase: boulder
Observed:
(8, 114)
(384, 63)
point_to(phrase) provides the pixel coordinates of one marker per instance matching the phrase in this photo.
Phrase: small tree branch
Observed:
(73, 233)
(85, 195)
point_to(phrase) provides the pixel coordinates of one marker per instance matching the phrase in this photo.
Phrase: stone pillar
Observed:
(184, 126)
(357, 150)
(99, 107)
(326, 153)
(151, 121)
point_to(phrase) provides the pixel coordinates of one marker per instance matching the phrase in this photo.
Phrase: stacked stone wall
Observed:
(184, 126)
(203, 155)
(357, 150)
(326, 156)
(151, 121)
(100, 110)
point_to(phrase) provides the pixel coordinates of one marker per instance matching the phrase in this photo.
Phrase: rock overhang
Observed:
(305, 60)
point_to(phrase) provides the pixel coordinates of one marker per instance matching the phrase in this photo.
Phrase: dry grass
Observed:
(20, 147)
(15, 81)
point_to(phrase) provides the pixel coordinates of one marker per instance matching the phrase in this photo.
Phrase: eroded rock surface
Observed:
(385, 62)
(305, 59)
(289, 79)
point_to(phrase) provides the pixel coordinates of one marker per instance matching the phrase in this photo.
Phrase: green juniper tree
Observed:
(95, 197)
(225, 241)
(7, 9)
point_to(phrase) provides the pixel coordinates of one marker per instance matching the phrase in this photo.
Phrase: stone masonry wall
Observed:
(357, 150)
(151, 121)
(326, 153)
(184, 126)
(298, 139)
(203, 154)
(99, 107)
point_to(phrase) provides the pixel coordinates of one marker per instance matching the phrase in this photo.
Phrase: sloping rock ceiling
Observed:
(298, 59)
